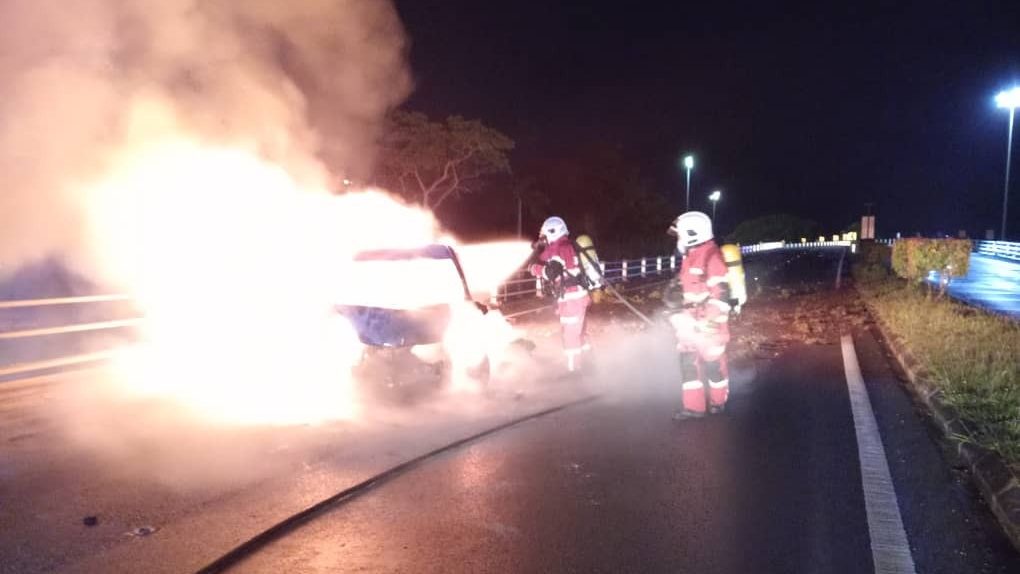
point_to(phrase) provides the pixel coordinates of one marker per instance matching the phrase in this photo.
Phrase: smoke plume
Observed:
(303, 83)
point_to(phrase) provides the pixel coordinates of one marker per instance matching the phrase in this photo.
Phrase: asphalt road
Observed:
(773, 485)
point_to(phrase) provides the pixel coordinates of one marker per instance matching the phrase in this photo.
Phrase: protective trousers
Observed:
(702, 359)
(573, 323)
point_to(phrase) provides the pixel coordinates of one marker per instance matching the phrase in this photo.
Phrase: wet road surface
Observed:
(773, 485)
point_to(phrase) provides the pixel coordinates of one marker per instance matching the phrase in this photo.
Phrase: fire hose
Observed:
(612, 290)
(607, 285)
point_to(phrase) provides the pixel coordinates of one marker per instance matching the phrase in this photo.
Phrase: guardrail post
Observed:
(623, 270)
(644, 266)
(538, 287)
(672, 261)
(658, 265)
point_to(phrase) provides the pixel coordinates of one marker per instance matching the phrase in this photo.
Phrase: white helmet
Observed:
(692, 228)
(553, 229)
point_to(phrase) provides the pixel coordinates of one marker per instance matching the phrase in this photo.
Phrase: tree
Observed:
(431, 162)
(601, 192)
(778, 227)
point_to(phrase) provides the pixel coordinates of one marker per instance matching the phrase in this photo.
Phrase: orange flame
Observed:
(237, 268)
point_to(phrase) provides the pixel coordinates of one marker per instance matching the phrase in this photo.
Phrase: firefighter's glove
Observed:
(673, 295)
(553, 270)
(539, 243)
(684, 326)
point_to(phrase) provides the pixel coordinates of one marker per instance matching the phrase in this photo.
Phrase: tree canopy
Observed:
(776, 227)
(601, 192)
(430, 162)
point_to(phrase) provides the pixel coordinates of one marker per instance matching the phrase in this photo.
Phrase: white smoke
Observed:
(304, 83)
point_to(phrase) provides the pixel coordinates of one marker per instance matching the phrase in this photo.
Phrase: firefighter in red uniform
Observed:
(559, 265)
(701, 326)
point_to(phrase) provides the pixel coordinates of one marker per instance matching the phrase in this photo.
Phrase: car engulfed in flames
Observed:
(413, 311)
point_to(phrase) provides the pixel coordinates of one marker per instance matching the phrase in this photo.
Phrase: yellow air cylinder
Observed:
(735, 274)
(589, 261)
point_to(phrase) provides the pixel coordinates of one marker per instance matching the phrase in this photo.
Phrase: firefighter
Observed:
(558, 264)
(701, 324)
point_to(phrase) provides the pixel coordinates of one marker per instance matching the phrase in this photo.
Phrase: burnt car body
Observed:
(389, 329)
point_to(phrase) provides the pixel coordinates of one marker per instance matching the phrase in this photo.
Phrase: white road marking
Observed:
(890, 550)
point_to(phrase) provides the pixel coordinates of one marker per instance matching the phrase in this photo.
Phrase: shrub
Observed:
(970, 355)
(873, 262)
(914, 259)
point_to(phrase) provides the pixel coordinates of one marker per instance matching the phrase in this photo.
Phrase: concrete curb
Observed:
(998, 484)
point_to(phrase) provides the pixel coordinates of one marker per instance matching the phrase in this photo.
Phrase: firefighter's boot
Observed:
(718, 385)
(693, 389)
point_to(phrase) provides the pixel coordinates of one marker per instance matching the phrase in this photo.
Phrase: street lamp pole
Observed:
(1009, 99)
(689, 164)
(714, 198)
(1009, 155)
(519, 210)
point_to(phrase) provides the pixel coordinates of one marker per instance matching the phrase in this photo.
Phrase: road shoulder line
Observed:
(998, 484)
(890, 550)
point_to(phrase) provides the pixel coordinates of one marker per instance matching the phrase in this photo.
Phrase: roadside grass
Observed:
(972, 356)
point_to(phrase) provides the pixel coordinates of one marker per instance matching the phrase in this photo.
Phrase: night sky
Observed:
(789, 107)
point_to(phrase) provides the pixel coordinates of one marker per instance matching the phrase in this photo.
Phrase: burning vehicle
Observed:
(413, 311)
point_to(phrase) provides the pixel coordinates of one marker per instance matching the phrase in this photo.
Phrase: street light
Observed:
(689, 164)
(1009, 99)
(714, 198)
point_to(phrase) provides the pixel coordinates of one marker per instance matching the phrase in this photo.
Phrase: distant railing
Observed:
(75, 317)
(773, 245)
(636, 273)
(523, 284)
(1003, 249)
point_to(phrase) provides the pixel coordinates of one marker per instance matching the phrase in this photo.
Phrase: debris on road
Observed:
(142, 531)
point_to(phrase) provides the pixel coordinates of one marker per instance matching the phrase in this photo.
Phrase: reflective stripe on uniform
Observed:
(695, 297)
(717, 280)
(693, 385)
(696, 271)
(719, 385)
(574, 295)
(570, 320)
(716, 350)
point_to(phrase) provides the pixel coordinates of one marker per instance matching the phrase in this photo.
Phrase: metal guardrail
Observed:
(773, 245)
(24, 359)
(522, 284)
(1003, 249)
(62, 301)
